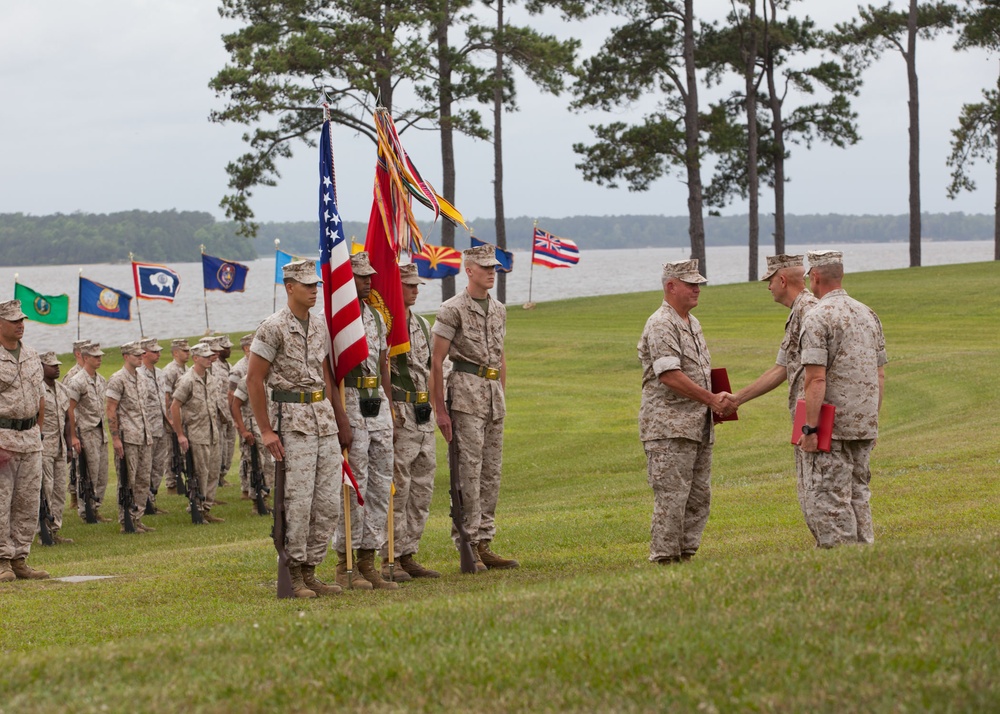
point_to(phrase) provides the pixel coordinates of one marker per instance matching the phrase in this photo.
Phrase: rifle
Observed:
(278, 532)
(125, 499)
(45, 520)
(85, 487)
(195, 496)
(466, 557)
(260, 489)
(177, 466)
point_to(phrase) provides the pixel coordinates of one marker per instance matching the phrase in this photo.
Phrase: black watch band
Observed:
(807, 430)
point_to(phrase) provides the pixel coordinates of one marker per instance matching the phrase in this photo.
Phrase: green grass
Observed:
(759, 621)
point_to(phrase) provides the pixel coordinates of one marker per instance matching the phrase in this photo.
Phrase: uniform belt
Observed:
(18, 424)
(476, 369)
(401, 395)
(364, 382)
(298, 397)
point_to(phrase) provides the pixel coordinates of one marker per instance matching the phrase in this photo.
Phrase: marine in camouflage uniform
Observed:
(78, 346)
(290, 351)
(131, 435)
(218, 383)
(193, 416)
(370, 456)
(54, 447)
(180, 350)
(414, 459)
(22, 405)
(222, 346)
(675, 416)
(237, 374)
(87, 392)
(156, 413)
(470, 330)
(785, 278)
(843, 351)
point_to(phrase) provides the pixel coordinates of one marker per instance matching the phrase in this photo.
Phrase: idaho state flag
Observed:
(387, 289)
(436, 261)
(101, 301)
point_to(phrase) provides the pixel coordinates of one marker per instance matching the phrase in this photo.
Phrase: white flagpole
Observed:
(204, 290)
(138, 311)
(531, 271)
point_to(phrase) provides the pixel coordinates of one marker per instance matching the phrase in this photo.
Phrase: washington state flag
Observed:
(50, 309)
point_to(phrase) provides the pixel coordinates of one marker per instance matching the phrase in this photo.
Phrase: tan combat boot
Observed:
(316, 585)
(59, 540)
(299, 588)
(73, 502)
(357, 582)
(415, 569)
(209, 518)
(6, 574)
(399, 575)
(366, 565)
(493, 561)
(23, 571)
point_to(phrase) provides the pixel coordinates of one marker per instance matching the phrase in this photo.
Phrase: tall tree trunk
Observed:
(500, 221)
(996, 203)
(778, 127)
(447, 135)
(696, 226)
(911, 76)
(750, 57)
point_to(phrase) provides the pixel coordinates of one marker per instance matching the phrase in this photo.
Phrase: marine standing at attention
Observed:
(87, 392)
(675, 417)
(180, 351)
(22, 406)
(55, 447)
(290, 352)
(470, 329)
(843, 351)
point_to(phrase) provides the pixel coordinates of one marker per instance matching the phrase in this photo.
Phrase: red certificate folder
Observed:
(825, 433)
(720, 383)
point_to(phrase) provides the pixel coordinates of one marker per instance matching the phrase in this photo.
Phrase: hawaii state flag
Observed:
(101, 301)
(436, 261)
(155, 282)
(340, 298)
(553, 252)
(224, 275)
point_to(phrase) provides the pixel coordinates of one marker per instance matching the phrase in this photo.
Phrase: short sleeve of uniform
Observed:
(116, 387)
(813, 341)
(447, 322)
(240, 391)
(76, 388)
(267, 341)
(182, 390)
(664, 349)
(883, 357)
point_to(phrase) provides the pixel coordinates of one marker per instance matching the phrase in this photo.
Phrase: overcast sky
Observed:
(104, 107)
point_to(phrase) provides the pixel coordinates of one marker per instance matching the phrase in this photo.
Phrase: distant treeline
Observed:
(81, 238)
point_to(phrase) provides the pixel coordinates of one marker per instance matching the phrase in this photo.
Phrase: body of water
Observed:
(600, 272)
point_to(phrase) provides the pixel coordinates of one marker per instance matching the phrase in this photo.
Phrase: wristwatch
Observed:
(807, 430)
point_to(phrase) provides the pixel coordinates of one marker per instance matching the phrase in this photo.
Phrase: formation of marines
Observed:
(281, 403)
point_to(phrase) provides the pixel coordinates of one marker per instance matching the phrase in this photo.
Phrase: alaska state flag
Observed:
(224, 275)
(436, 261)
(101, 301)
(506, 258)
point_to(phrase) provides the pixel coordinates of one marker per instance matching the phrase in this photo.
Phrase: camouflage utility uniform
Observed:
(89, 393)
(308, 430)
(845, 336)
(155, 408)
(131, 391)
(676, 432)
(21, 393)
(477, 403)
(54, 450)
(198, 408)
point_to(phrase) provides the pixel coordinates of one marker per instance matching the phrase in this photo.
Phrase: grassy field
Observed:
(759, 621)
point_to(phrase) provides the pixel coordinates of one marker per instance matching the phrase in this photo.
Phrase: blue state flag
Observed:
(506, 258)
(101, 301)
(224, 275)
(281, 259)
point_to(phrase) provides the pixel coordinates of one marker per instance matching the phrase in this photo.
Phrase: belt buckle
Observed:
(369, 382)
(422, 398)
(316, 396)
(492, 373)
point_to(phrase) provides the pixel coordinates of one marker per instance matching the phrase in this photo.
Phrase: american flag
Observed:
(340, 298)
(553, 252)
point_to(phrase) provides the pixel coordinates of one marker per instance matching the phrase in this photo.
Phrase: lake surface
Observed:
(600, 272)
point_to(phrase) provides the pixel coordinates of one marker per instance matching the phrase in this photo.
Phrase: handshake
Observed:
(723, 404)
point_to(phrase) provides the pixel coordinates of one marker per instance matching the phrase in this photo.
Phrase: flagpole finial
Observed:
(15, 277)
(202, 248)
(277, 242)
(81, 271)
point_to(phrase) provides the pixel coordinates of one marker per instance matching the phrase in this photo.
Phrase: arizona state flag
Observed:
(387, 289)
(436, 261)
